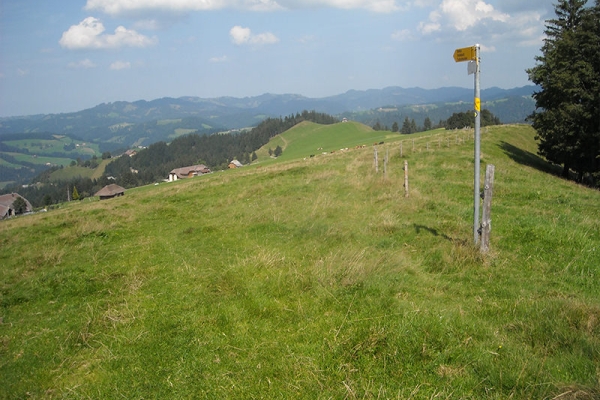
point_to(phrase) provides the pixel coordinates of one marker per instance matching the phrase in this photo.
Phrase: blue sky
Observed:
(74, 54)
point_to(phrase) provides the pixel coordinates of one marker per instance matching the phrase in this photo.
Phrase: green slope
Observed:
(308, 138)
(312, 279)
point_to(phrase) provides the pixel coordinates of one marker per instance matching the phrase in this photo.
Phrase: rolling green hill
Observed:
(308, 138)
(23, 156)
(313, 278)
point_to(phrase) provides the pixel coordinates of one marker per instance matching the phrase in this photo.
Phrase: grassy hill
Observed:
(25, 155)
(312, 279)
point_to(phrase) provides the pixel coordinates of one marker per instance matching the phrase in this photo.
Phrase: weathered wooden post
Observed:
(405, 178)
(376, 160)
(486, 219)
(385, 162)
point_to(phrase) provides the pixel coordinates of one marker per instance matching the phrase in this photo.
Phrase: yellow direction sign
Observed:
(464, 54)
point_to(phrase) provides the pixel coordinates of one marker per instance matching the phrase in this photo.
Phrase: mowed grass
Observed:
(312, 279)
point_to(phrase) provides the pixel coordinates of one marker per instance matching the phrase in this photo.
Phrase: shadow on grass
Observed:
(525, 157)
(434, 232)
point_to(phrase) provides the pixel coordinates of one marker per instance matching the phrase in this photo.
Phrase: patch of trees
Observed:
(91, 163)
(457, 120)
(567, 115)
(215, 151)
(24, 174)
(45, 193)
(467, 120)
(19, 205)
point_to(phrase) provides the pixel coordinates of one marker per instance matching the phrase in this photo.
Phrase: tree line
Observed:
(215, 151)
(456, 121)
(567, 115)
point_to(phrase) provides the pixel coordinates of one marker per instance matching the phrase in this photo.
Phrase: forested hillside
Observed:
(155, 162)
(216, 151)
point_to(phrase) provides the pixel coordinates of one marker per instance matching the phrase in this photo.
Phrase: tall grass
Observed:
(311, 279)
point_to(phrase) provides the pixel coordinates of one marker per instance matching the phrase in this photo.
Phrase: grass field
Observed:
(70, 172)
(56, 145)
(41, 160)
(312, 279)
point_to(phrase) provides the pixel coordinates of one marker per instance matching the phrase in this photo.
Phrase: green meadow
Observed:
(313, 278)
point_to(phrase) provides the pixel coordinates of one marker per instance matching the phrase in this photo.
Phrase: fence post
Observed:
(376, 160)
(385, 163)
(405, 178)
(486, 219)
(401, 149)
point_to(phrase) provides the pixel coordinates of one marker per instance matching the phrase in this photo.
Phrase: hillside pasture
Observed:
(40, 160)
(312, 279)
(57, 145)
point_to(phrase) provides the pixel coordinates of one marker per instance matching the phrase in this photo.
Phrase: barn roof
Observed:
(7, 200)
(184, 171)
(110, 190)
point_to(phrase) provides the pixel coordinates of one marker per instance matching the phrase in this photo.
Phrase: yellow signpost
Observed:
(465, 54)
(471, 54)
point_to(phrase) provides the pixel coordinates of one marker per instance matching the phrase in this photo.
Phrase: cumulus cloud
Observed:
(118, 65)
(403, 35)
(240, 36)
(86, 63)
(115, 7)
(521, 28)
(218, 59)
(89, 34)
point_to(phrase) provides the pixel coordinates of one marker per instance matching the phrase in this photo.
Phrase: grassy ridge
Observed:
(311, 279)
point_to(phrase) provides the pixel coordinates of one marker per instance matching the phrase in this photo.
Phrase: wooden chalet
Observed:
(188, 172)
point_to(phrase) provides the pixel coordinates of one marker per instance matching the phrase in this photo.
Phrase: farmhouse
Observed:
(110, 191)
(235, 164)
(6, 205)
(188, 172)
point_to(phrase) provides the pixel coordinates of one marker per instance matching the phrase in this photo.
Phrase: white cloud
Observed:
(240, 36)
(116, 7)
(88, 34)
(86, 63)
(118, 65)
(218, 59)
(22, 72)
(461, 15)
(402, 35)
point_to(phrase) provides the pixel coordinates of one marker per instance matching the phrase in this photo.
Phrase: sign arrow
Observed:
(464, 54)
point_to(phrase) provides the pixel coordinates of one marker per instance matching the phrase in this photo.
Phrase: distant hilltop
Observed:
(127, 124)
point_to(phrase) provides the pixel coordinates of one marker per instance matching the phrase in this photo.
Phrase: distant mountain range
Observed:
(126, 124)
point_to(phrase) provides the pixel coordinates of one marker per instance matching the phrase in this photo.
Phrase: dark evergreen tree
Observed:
(413, 126)
(406, 127)
(395, 127)
(278, 151)
(567, 116)
(427, 124)
(19, 206)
